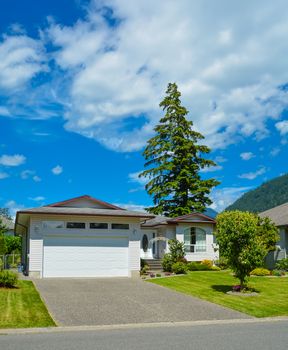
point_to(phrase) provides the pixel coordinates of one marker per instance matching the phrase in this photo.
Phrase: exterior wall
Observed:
(282, 249)
(85, 203)
(37, 234)
(210, 253)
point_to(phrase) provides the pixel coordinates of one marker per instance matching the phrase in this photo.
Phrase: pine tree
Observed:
(174, 159)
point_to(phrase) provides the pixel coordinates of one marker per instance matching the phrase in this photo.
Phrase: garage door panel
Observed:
(90, 257)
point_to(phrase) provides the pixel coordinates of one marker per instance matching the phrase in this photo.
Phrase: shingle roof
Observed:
(162, 220)
(7, 222)
(86, 211)
(279, 214)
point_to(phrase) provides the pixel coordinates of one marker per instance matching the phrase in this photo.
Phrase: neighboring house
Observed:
(86, 237)
(9, 224)
(279, 215)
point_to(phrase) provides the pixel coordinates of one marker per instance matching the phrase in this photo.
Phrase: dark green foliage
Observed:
(244, 240)
(269, 195)
(3, 229)
(13, 244)
(174, 159)
(8, 279)
(179, 268)
(176, 254)
(282, 264)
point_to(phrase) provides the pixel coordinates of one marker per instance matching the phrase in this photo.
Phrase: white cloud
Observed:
(57, 170)
(37, 199)
(253, 175)
(229, 79)
(134, 177)
(275, 151)
(247, 155)
(3, 175)
(282, 127)
(225, 196)
(13, 207)
(27, 174)
(36, 178)
(132, 206)
(15, 160)
(211, 169)
(21, 58)
(220, 159)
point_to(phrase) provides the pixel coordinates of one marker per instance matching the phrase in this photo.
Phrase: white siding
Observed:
(85, 203)
(134, 255)
(35, 257)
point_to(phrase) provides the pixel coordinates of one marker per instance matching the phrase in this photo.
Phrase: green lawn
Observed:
(212, 286)
(22, 307)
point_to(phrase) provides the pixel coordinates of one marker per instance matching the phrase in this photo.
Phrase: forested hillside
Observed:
(268, 195)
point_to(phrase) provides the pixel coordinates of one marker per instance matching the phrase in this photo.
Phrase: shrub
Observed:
(144, 270)
(278, 273)
(158, 275)
(222, 263)
(215, 268)
(207, 262)
(196, 266)
(282, 264)
(167, 263)
(179, 268)
(259, 271)
(8, 279)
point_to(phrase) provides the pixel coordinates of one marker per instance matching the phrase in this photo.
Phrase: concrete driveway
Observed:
(74, 302)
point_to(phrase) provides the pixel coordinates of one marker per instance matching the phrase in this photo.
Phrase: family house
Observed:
(86, 237)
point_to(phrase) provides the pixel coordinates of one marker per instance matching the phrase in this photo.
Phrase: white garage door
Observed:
(85, 257)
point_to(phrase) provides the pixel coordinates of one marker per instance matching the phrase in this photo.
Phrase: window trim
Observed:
(145, 243)
(192, 248)
(50, 221)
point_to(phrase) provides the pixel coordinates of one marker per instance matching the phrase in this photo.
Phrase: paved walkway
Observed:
(76, 302)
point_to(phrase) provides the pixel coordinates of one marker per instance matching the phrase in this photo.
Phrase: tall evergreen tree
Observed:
(174, 159)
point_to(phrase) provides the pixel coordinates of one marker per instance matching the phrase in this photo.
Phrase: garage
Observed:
(90, 256)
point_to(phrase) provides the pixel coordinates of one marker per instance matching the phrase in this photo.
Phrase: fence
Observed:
(10, 261)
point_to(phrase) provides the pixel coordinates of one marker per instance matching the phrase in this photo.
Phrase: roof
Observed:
(189, 218)
(279, 214)
(7, 222)
(52, 210)
(97, 201)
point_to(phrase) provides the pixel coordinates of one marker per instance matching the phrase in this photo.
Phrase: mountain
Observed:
(211, 212)
(268, 195)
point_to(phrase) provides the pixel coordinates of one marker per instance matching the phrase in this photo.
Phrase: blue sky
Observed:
(81, 81)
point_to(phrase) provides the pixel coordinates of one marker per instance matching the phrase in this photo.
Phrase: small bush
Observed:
(167, 263)
(196, 266)
(222, 263)
(179, 268)
(8, 279)
(207, 262)
(282, 264)
(215, 268)
(158, 275)
(144, 270)
(183, 260)
(278, 273)
(259, 271)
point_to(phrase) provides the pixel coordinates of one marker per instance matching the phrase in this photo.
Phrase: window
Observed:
(53, 224)
(145, 243)
(195, 240)
(75, 225)
(98, 225)
(120, 226)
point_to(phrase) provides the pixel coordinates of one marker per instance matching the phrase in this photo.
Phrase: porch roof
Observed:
(279, 214)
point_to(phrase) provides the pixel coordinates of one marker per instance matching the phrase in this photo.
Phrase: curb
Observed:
(65, 329)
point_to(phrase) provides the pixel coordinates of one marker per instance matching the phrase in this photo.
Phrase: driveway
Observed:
(74, 302)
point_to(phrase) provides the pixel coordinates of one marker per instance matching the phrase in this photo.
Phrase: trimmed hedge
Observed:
(8, 279)
(259, 271)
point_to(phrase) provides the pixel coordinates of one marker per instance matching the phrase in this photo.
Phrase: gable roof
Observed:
(279, 214)
(87, 197)
(162, 220)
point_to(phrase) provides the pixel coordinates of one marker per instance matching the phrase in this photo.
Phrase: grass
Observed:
(22, 307)
(212, 286)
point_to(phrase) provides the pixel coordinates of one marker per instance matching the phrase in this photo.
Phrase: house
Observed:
(279, 215)
(9, 224)
(86, 237)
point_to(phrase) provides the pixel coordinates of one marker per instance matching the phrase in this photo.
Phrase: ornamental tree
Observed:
(244, 240)
(174, 159)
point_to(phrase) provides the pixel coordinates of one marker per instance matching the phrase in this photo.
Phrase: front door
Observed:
(161, 245)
